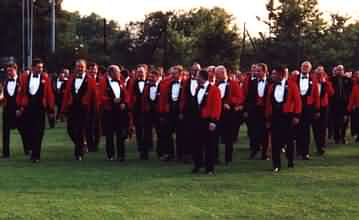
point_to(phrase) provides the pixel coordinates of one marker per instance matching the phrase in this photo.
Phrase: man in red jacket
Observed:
(93, 121)
(309, 93)
(256, 87)
(79, 95)
(283, 108)
(232, 102)
(353, 105)
(113, 101)
(156, 109)
(176, 117)
(35, 98)
(208, 111)
(137, 106)
(8, 101)
(320, 124)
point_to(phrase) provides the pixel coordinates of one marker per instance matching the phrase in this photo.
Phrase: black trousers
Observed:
(151, 122)
(189, 134)
(227, 129)
(10, 122)
(139, 122)
(76, 126)
(282, 135)
(34, 126)
(165, 143)
(303, 134)
(178, 128)
(93, 133)
(257, 131)
(355, 123)
(320, 129)
(340, 124)
(115, 124)
(205, 150)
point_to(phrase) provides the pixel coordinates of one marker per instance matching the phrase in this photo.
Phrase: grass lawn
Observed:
(61, 188)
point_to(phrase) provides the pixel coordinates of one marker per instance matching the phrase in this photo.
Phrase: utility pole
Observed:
(23, 55)
(53, 26)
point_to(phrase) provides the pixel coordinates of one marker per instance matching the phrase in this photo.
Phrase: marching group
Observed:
(180, 114)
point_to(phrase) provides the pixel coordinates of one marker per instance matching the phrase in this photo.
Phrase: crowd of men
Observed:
(183, 115)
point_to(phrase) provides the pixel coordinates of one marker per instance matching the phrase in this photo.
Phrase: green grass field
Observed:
(61, 188)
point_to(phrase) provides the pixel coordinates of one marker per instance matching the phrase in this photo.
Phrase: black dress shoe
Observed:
(121, 159)
(276, 170)
(321, 152)
(35, 160)
(211, 173)
(195, 170)
(290, 165)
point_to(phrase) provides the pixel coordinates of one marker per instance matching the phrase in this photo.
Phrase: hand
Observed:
(181, 116)
(51, 115)
(296, 121)
(245, 114)
(122, 107)
(18, 113)
(317, 115)
(212, 126)
(227, 107)
(238, 108)
(268, 125)
(117, 100)
(346, 118)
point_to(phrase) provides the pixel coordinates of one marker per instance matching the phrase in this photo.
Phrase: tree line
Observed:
(297, 30)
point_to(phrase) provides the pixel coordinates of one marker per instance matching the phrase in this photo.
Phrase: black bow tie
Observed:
(176, 82)
(221, 82)
(11, 80)
(201, 87)
(79, 76)
(305, 76)
(35, 75)
(261, 80)
(113, 80)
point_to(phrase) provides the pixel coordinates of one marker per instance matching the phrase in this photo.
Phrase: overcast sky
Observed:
(244, 10)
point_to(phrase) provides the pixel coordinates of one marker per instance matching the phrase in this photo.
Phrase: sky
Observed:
(245, 11)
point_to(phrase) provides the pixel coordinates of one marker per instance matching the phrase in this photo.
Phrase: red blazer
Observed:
(313, 98)
(105, 100)
(130, 88)
(292, 101)
(89, 97)
(211, 106)
(354, 98)
(185, 93)
(162, 101)
(234, 94)
(48, 99)
(326, 92)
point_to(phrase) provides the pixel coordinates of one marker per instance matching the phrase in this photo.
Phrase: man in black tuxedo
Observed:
(8, 99)
(342, 86)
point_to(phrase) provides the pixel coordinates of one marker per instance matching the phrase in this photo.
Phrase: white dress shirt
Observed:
(303, 84)
(175, 91)
(202, 92)
(153, 91)
(78, 82)
(59, 84)
(34, 84)
(222, 88)
(261, 87)
(141, 86)
(279, 91)
(11, 86)
(194, 86)
(115, 88)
